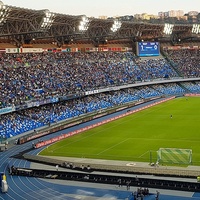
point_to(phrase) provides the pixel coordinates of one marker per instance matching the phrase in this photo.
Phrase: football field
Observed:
(138, 137)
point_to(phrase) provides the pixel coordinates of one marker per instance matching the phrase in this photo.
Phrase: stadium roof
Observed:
(23, 25)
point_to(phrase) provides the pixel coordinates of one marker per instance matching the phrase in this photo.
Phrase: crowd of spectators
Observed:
(151, 69)
(192, 87)
(34, 76)
(25, 77)
(169, 89)
(30, 119)
(186, 61)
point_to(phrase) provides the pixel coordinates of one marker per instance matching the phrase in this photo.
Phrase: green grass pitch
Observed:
(132, 138)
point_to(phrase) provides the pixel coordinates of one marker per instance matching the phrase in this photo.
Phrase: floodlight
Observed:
(83, 26)
(168, 28)
(47, 20)
(116, 26)
(196, 28)
(4, 10)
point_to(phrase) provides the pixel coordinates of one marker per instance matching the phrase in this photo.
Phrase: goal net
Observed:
(174, 156)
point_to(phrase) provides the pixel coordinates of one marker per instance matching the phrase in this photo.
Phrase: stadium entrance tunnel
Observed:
(95, 177)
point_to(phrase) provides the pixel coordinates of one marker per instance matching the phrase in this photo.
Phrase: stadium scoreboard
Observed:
(148, 49)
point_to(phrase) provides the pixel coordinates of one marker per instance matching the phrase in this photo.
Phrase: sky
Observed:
(108, 8)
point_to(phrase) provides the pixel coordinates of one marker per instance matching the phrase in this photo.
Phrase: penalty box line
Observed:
(143, 154)
(113, 146)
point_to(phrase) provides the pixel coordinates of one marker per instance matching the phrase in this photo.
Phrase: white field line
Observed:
(113, 146)
(143, 154)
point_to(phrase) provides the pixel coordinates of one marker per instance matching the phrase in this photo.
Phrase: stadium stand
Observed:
(27, 77)
(186, 61)
(34, 76)
(33, 118)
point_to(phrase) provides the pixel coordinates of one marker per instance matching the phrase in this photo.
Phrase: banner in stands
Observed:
(24, 50)
(29, 104)
(49, 100)
(181, 47)
(32, 104)
(6, 110)
(92, 92)
(13, 50)
(54, 50)
(31, 50)
(38, 135)
(66, 50)
(192, 95)
(2, 50)
(91, 49)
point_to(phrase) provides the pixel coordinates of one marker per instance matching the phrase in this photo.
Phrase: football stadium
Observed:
(98, 108)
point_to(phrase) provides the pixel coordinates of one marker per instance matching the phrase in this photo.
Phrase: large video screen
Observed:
(148, 49)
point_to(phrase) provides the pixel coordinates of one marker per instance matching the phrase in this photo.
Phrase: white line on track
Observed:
(50, 191)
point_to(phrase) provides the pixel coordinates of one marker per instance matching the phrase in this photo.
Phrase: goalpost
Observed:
(174, 156)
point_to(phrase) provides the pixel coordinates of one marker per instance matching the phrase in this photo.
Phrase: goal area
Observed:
(174, 156)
